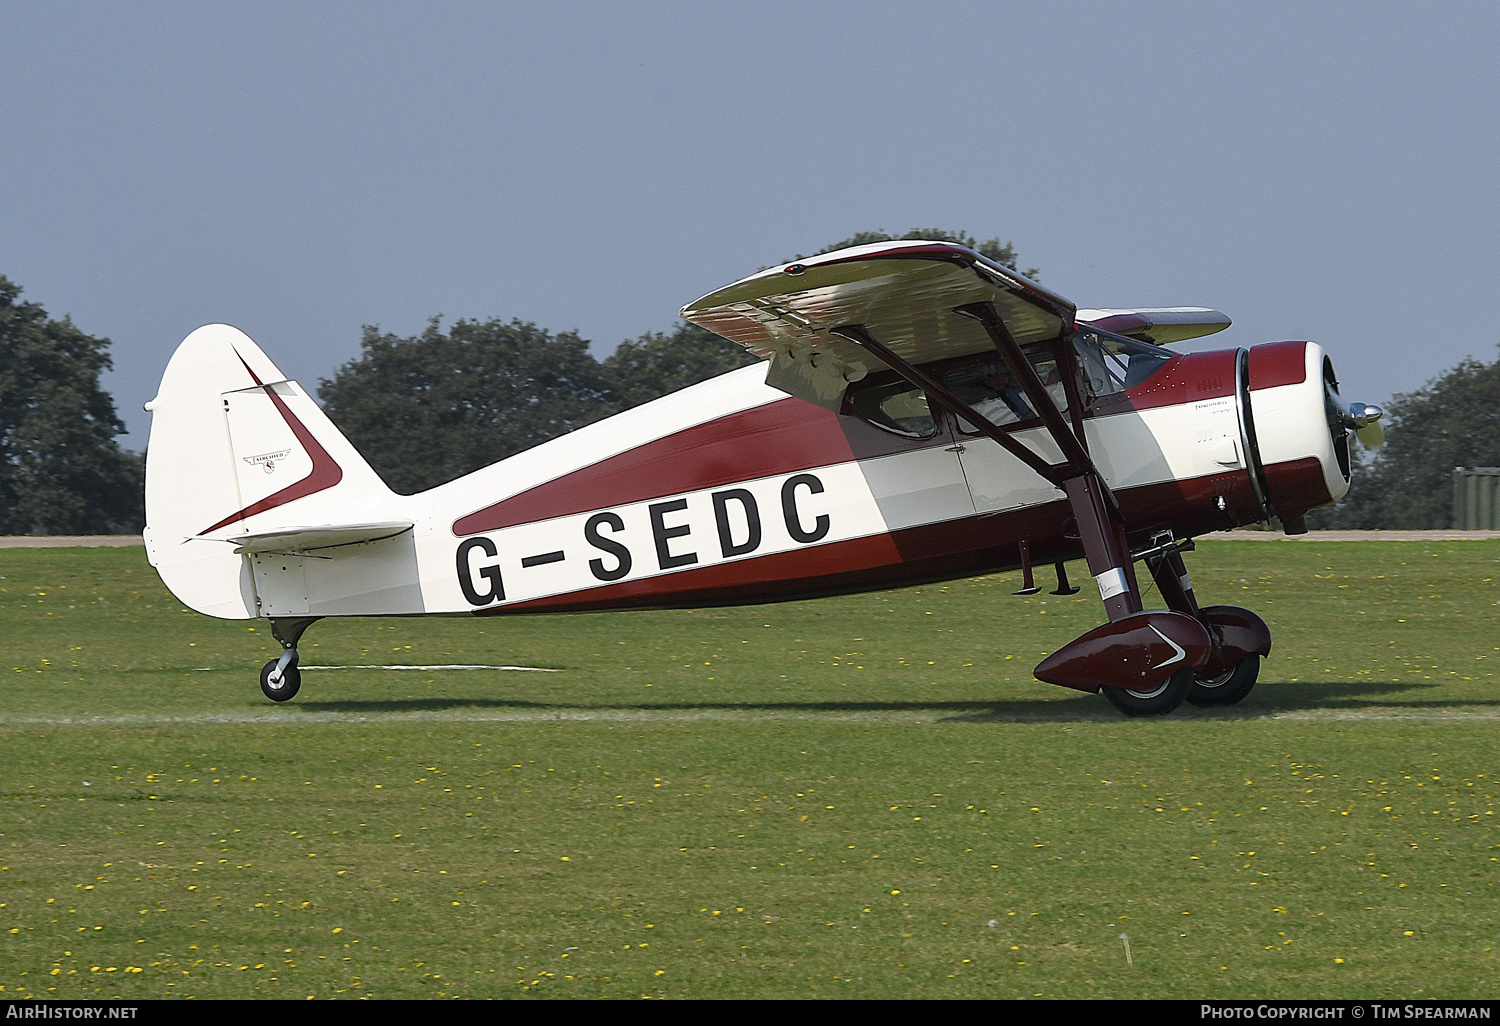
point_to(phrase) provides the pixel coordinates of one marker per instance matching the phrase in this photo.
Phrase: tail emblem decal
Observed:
(267, 461)
(324, 475)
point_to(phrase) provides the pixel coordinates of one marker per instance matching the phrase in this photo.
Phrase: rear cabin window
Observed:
(1113, 364)
(899, 407)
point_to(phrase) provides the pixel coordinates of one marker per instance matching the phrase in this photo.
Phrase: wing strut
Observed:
(857, 334)
(1041, 400)
(1101, 527)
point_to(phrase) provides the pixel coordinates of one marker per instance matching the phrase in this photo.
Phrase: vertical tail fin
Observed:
(237, 449)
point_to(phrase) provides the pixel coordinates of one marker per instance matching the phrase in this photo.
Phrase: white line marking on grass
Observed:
(448, 666)
(1414, 715)
(285, 717)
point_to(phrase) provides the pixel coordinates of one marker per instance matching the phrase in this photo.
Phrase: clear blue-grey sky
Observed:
(1323, 171)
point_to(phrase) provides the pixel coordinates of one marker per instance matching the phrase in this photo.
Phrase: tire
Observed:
(1157, 701)
(1228, 687)
(286, 689)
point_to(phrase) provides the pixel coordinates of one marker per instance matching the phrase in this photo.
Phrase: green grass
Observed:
(830, 798)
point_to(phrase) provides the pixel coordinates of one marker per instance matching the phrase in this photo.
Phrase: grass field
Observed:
(859, 797)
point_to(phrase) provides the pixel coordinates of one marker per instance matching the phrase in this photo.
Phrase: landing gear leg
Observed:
(1171, 576)
(1240, 638)
(280, 679)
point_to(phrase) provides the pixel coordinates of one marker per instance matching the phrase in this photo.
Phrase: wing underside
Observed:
(904, 294)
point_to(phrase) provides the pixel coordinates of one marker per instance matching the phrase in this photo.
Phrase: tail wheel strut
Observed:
(280, 679)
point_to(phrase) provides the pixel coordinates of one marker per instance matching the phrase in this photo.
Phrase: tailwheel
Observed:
(280, 683)
(1157, 701)
(280, 679)
(1228, 687)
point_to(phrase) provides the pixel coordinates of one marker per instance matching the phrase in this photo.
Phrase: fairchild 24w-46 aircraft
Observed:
(920, 414)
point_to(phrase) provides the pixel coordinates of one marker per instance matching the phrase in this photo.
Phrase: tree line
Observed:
(61, 470)
(1452, 421)
(428, 408)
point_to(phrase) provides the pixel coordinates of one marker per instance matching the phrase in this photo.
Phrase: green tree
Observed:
(430, 408)
(1002, 253)
(61, 470)
(1452, 421)
(658, 363)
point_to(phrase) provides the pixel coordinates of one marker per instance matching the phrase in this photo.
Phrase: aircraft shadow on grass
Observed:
(1268, 699)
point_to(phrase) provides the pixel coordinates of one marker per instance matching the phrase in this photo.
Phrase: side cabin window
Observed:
(992, 390)
(1113, 364)
(899, 407)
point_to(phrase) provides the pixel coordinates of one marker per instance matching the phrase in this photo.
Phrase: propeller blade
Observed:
(1364, 420)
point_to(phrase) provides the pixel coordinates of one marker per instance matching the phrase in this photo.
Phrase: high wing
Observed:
(1160, 325)
(905, 293)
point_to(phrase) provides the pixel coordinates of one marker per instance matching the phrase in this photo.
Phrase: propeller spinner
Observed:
(1363, 419)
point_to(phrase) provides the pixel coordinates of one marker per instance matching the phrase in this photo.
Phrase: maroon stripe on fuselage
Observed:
(1278, 363)
(780, 437)
(965, 547)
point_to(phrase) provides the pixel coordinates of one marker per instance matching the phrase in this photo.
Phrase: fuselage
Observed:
(726, 492)
(732, 492)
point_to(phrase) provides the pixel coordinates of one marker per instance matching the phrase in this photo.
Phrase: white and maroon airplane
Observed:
(921, 414)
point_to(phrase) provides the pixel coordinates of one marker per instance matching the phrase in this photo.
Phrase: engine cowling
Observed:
(1301, 449)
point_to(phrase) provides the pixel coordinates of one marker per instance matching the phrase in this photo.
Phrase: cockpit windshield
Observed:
(1113, 364)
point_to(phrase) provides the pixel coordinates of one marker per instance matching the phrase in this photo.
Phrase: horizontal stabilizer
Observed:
(308, 539)
(1160, 324)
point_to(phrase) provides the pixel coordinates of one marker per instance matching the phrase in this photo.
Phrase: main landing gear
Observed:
(1149, 663)
(280, 680)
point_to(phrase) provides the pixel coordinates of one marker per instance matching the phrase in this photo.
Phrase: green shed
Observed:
(1476, 498)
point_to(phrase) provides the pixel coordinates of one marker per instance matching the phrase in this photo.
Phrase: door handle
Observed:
(955, 448)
